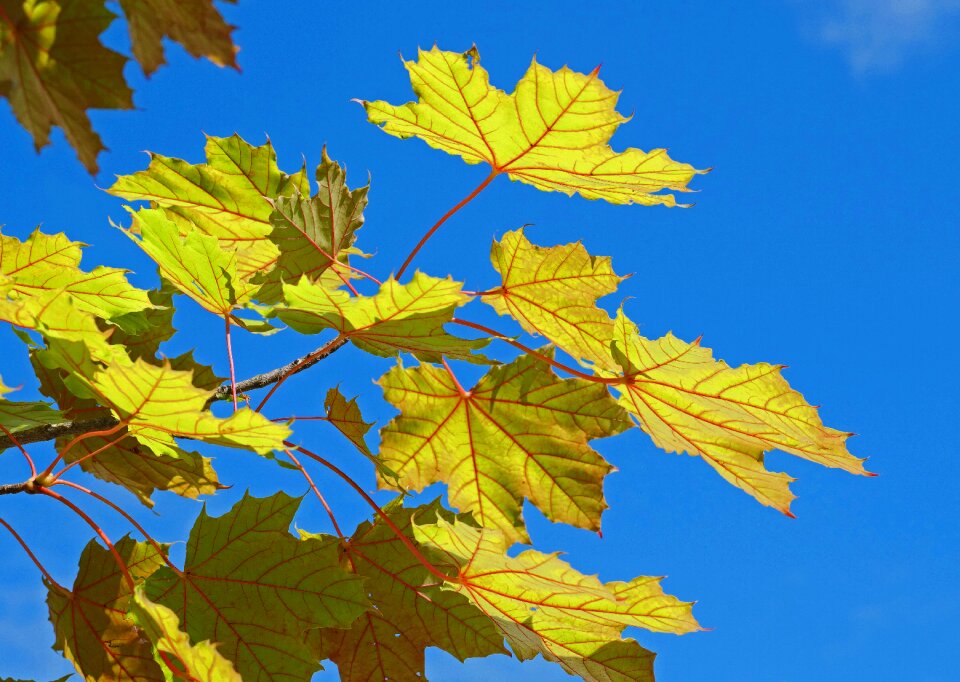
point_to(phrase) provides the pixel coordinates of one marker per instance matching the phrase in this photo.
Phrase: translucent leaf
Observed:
(314, 233)
(119, 458)
(409, 614)
(17, 416)
(45, 263)
(551, 132)
(400, 317)
(91, 623)
(198, 663)
(689, 402)
(228, 197)
(195, 24)
(544, 606)
(157, 404)
(553, 291)
(521, 432)
(53, 68)
(255, 589)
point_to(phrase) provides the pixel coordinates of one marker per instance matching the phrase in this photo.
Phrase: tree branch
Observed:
(47, 432)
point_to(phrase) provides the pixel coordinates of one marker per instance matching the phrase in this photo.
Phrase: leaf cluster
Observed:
(275, 252)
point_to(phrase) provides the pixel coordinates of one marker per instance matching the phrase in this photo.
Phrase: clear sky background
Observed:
(826, 239)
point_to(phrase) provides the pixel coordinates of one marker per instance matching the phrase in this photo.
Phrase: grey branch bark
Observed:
(47, 432)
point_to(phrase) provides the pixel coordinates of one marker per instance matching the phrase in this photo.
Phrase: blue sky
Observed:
(826, 238)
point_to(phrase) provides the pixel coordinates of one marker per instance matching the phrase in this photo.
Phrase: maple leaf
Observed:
(195, 24)
(53, 68)
(551, 132)
(542, 605)
(158, 403)
(409, 613)
(314, 233)
(197, 265)
(228, 197)
(55, 315)
(553, 291)
(197, 663)
(91, 623)
(521, 432)
(45, 263)
(17, 416)
(120, 458)
(255, 589)
(400, 317)
(689, 402)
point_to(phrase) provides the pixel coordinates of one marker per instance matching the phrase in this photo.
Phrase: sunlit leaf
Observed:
(176, 656)
(689, 402)
(91, 623)
(17, 416)
(228, 197)
(195, 24)
(400, 317)
(544, 606)
(314, 233)
(53, 68)
(521, 432)
(409, 614)
(551, 132)
(255, 589)
(119, 458)
(45, 263)
(553, 291)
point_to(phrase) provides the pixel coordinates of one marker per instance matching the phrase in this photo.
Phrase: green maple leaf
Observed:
(400, 317)
(53, 68)
(544, 606)
(91, 623)
(521, 432)
(409, 613)
(689, 402)
(314, 233)
(50, 263)
(553, 291)
(195, 24)
(157, 404)
(228, 197)
(17, 416)
(551, 132)
(255, 589)
(173, 651)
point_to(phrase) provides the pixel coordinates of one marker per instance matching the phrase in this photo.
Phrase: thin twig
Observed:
(47, 432)
(417, 554)
(32, 556)
(121, 564)
(13, 439)
(446, 216)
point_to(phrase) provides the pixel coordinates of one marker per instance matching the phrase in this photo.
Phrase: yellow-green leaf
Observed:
(521, 432)
(176, 656)
(542, 605)
(45, 263)
(228, 197)
(91, 623)
(16, 416)
(53, 68)
(552, 132)
(689, 402)
(314, 233)
(409, 614)
(256, 590)
(400, 317)
(195, 24)
(553, 291)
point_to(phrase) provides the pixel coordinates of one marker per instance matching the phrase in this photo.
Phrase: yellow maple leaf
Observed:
(551, 132)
